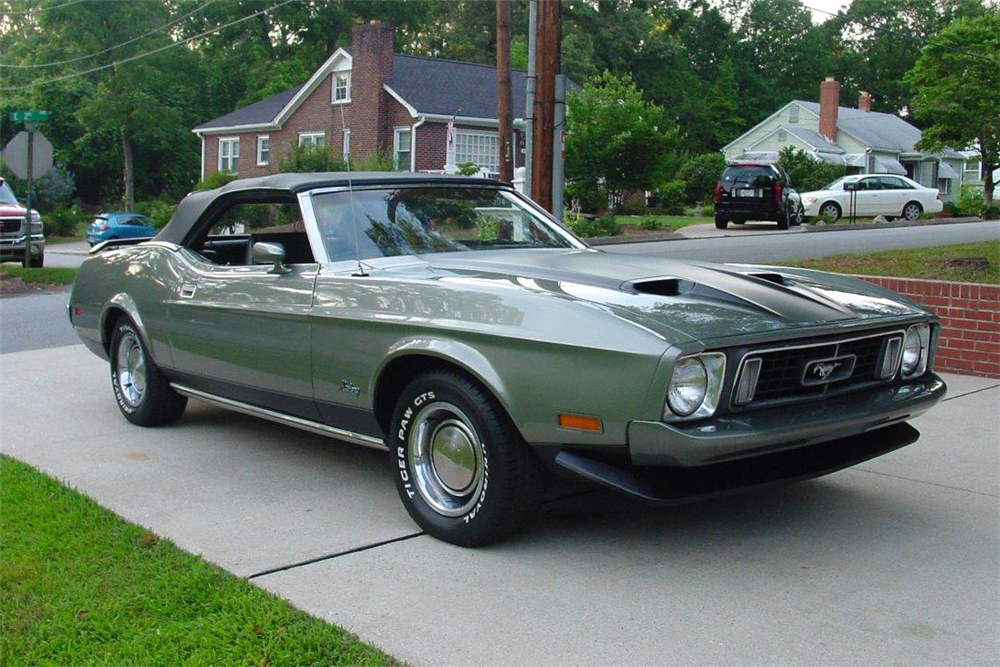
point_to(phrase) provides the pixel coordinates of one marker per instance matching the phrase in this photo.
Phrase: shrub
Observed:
(64, 220)
(700, 174)
(467, 169)
(633, 206)
(591, 228)
(673, 193)
(375, 161)
(589, 197)
(310, 159)
(215, 180)
(651, 224)
(806, 173)
(970, 200)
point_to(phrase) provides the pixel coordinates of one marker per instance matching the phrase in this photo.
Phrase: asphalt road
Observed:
(756, 247)
(35, 322)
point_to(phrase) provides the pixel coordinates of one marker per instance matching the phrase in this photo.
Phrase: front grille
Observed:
(782, 375)
(10, 225)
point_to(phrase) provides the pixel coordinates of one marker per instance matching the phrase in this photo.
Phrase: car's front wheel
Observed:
(912, 211)
(142, 392)
(461, 468)
(830, 210)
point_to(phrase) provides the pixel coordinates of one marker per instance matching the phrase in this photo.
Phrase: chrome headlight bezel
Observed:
(714, 366)
(36, 223)
(916, 342)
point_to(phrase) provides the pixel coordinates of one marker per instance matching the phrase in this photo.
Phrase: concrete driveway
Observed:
(890, 563)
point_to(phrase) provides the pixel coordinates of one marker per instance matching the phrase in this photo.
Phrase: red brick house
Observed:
(368, 98)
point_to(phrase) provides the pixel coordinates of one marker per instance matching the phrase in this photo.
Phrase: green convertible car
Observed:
(455, 324)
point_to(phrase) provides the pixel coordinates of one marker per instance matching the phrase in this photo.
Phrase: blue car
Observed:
(108, 226)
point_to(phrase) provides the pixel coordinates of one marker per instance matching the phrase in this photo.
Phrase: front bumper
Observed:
(750, 434)
(13, 248)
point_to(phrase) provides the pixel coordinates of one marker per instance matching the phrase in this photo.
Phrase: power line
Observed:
(921, 40)
(147, 53)
(40, 8)
(111, 48)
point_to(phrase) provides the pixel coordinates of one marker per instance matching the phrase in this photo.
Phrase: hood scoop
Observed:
(775, 278)
(660, 286)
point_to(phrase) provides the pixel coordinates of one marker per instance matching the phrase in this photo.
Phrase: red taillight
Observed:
(777, 192)
(718, 191)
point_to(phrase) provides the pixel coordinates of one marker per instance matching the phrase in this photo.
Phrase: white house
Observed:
(863, 140)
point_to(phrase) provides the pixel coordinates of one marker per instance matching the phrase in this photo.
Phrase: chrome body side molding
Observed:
(281, 418)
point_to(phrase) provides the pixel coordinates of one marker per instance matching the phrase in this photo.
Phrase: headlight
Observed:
(695, 385)
(36, 223)
(915, 350)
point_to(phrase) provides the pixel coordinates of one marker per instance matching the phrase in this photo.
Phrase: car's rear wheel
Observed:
(830, 210)
(461, 468)
(721, 222)
(784, 221)
(912, 211)
(142, 392)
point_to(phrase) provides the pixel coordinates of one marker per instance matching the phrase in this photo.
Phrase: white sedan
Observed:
(876, 194)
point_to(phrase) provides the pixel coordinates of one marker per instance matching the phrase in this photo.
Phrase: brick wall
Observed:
(970, 319)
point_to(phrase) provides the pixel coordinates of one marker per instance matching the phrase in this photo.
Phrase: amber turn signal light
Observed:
(580, 423)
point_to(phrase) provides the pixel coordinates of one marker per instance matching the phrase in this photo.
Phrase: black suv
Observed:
(756, 192)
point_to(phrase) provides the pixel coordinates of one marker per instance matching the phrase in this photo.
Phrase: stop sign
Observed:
(15, 154)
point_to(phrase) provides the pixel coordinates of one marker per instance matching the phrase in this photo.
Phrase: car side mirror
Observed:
(270, 253)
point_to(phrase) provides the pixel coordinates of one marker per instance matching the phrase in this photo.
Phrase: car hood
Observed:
(10, 211)
(679, 299)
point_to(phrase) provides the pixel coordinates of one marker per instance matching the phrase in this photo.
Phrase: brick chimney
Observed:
(864, 101)
(829, 107)
(371, 53)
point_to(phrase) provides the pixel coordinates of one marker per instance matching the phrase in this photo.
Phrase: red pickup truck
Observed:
(12, 233)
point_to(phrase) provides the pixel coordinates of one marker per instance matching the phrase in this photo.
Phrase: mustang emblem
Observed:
(826, 371)
(823, 370)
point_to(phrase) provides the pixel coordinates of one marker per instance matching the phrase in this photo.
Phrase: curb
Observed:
(839, 227)
(634, 238)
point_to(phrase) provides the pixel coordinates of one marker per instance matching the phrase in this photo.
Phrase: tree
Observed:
(700, 174)
(806, 172)
(956, 84)
(617, 140)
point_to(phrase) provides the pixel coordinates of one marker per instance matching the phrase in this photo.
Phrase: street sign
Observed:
(15, 155)
(28, 116)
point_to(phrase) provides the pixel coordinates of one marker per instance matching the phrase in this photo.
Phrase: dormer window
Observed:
(793, 114)
(341, 87)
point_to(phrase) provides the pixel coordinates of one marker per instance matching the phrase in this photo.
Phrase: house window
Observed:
(782, 135)
(944, 186)
(341, 87)
(312, 138)
(401, 148)
(229, 154)
(793, 114)
(263, 149)
(480, 148)
(347, 144)
(970, 172)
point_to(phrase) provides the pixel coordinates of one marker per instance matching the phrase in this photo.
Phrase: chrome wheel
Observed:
(131, 376)
(912, 211)
(446, 457)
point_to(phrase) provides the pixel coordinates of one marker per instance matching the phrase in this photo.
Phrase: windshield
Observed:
(6, 194)
(418, 221)
(836, 185)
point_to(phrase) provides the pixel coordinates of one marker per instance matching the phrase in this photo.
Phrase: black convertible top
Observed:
(197, 203)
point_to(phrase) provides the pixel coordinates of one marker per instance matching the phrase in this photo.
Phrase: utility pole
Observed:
(529, 111)
(503, 92)
(547, 63)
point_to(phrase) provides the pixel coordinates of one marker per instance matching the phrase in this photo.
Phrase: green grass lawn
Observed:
(59, 240)
(42, 276)
(927, 263)
(667, 221)
(79, 586)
